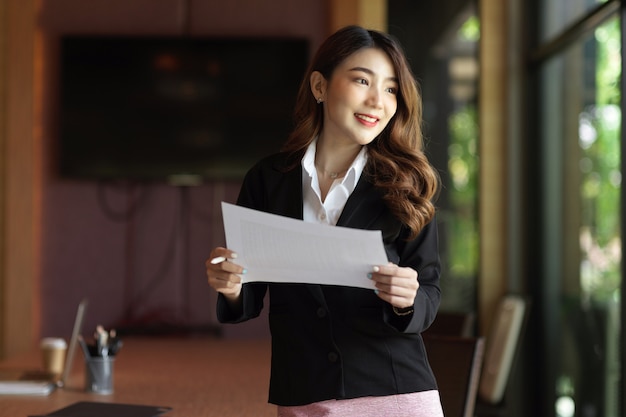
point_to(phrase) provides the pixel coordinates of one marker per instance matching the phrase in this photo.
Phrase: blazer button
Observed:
(321, 312)
(332, 357)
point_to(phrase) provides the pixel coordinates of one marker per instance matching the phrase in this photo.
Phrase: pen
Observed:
(218, 260)
(102, 341)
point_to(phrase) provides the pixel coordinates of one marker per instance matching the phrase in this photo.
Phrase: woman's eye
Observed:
(362, 81)
(392, 90)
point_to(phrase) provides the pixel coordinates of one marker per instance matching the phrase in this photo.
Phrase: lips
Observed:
(368, 120)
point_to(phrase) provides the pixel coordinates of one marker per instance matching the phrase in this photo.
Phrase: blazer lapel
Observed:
(281, 200)
(363, 207)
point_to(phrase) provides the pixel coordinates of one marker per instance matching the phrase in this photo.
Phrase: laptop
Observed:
(39, 383)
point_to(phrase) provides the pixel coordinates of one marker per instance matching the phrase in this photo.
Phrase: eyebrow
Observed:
(369, 71)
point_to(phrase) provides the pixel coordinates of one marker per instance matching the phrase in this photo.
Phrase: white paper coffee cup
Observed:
(53, 351)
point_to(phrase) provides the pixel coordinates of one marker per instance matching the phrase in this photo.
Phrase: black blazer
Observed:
(334, 342)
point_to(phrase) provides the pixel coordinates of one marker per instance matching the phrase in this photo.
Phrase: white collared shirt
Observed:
(328, 212)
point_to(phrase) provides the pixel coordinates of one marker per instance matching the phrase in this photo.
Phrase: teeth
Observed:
(366, 118)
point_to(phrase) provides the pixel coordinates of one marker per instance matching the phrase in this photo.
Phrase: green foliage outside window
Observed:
(599, 139)
(463, 168)
(463, 250)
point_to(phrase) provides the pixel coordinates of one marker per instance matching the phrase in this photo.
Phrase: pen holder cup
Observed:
(99, 374)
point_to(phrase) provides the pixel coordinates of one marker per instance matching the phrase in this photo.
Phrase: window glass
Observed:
(451, 123)
(556, 15)
(463, 254)
(580, 135)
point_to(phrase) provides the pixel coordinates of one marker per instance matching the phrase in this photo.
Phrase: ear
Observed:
(318, 85)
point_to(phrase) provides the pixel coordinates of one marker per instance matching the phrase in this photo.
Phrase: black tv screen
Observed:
(157, 108)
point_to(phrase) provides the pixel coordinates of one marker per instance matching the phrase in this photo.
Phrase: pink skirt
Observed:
(417, 404)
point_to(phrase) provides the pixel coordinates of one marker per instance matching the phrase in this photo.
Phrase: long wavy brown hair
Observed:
(396, 162)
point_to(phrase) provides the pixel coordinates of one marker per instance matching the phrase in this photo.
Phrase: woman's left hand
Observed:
(396, 285)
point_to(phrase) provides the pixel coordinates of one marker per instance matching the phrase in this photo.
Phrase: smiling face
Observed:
(359, 99)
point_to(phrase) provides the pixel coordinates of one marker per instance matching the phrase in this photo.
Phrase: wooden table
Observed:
(196, 377)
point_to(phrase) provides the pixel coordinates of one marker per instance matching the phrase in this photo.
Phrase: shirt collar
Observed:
(353, 173)
(308, 160)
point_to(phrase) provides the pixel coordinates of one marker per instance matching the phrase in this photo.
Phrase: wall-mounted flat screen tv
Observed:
(162, 108)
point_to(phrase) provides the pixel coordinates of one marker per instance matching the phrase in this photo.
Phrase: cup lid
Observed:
(54, 342)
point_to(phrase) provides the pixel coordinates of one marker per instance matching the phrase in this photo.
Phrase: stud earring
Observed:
(319, 100)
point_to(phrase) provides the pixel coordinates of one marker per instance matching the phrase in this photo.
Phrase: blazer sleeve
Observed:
(421, 254)
(252, 303)
(250, 196)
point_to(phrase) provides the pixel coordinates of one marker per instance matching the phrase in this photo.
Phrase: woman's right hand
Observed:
(223, 275)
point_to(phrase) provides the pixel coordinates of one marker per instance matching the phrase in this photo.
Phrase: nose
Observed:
(375, 98)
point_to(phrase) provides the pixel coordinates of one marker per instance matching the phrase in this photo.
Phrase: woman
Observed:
(354, 159)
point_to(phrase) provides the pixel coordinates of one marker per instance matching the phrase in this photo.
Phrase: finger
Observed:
(228, 281)
(225, 287)
(388, 283)
(221, 258)
(395, 270)
(221, 254)
(407, 282)
(226, 271)
(408, 293)
(221, 267)
(396, 301)
(224, 282)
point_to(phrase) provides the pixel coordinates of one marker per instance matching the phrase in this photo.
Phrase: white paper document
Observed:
(279, 249)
